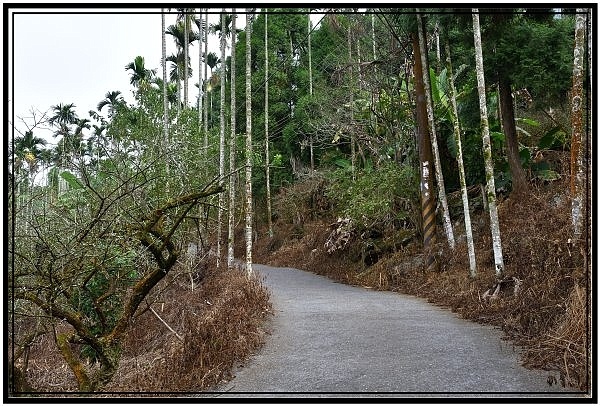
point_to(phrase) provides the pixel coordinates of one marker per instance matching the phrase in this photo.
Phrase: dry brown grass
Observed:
(549, 315)
(220, 323)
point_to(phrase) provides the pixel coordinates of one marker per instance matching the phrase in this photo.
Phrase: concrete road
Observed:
(330, 339)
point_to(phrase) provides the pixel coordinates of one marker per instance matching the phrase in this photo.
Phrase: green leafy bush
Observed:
(112, 270)
(378, 197)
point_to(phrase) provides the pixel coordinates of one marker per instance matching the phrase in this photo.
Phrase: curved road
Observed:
(328, 338)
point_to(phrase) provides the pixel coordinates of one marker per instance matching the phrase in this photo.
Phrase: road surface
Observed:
(331, 339)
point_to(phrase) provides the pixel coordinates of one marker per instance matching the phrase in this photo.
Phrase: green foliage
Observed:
(100, 299)
(71, 180)
(543, 173)
(407, 22)
(535, 55)
(375, 198)
(473, 158)
(556, 138)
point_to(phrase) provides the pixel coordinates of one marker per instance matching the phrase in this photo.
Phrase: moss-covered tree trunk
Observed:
(310, 87)
(249, 210)
(231, 211)
(351, 93)
(221, 141)
(205, 87)
(461, 166)
(487, 150)
(186, 52)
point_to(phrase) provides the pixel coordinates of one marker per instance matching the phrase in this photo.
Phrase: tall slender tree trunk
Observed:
(310, 90)
(267, 157)
(200, 81)
(204, 153)
(436, 155)
(231, 222)
(310, 81)
(577, 152)
(212, 119)
(425, 158)
(358, 67)
(164, 90)
(351, 93)
(487, 150)
(165, 143)
(178, 97)
(205, 89)
(438, 53)
(221, 140)
(461, 167)
(374, 95)
(507, 109)
(506, 112)
(373, 35)
(249, 209)
(186, 48)
(63, 187)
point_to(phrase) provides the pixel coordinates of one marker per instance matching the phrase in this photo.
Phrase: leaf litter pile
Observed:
(183, 340)
(542, 302)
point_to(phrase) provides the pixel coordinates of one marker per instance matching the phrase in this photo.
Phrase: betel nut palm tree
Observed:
(112, 100)
(140, 76)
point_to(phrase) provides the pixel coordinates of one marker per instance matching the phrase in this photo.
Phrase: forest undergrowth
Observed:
(548, 317)
(187, 341)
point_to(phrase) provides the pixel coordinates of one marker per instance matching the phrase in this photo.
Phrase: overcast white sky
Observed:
(78, 58)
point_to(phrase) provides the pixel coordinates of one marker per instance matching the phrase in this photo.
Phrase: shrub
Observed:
(379, 197)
